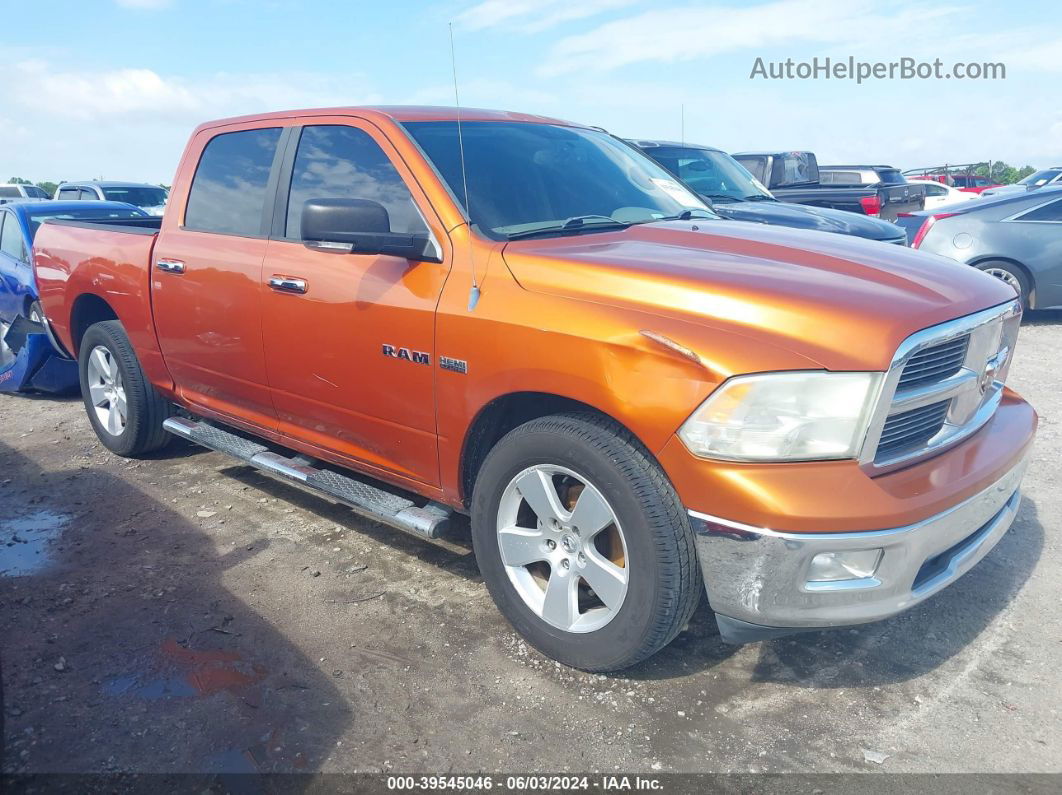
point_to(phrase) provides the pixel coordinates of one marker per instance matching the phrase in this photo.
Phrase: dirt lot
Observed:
(186, 614)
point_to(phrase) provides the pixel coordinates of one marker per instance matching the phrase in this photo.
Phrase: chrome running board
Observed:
(428, 521)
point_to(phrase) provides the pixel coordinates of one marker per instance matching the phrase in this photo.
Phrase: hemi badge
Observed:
(453, 365)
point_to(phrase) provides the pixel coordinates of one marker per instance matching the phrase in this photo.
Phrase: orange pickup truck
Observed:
(420, 313)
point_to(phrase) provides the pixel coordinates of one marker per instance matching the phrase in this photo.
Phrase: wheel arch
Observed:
(977, 262)
(88, 308)
(508, 411)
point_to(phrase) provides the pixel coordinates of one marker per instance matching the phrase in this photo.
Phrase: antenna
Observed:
(682, 123)
(473, 295)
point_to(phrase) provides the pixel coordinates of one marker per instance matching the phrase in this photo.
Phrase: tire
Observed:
(649, 546)
(141, 432)
(1011, 274)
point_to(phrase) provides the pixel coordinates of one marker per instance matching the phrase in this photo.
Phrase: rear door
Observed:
(14, 267)
(351, 351)
(207, 273)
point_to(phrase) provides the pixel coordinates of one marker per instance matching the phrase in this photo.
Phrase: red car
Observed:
(967, 183)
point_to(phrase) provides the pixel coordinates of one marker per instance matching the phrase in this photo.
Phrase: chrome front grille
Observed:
(934, 363)
(913, 428)
(944, 383)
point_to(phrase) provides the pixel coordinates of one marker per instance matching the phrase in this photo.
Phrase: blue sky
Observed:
(112, 87)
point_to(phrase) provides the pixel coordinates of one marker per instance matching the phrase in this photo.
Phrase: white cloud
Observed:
(143, 93)
(533, 16)
(133, 123)
(673, 35)
(144, 4)
(1042, 57)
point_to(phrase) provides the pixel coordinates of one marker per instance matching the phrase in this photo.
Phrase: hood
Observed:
(841, 302)
(801, 216)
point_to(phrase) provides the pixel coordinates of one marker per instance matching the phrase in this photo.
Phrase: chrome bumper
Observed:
(757, 579)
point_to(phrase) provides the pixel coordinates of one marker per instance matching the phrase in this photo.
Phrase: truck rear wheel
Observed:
(583, 543)
(124, 408)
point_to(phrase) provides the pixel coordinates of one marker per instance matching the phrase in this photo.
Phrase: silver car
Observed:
(1039, 179)
(1017, 238)
(149, 198)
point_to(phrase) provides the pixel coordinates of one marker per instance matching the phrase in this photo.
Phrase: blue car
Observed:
(29, 361)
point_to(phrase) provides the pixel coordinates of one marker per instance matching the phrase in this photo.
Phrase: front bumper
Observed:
(757, 579)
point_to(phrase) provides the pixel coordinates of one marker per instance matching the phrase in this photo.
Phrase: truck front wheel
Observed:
(125, 410)
(583, 543)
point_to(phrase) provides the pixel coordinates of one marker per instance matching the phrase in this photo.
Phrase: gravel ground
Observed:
(189, 614)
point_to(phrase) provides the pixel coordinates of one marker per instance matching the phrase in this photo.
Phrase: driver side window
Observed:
(340, 162)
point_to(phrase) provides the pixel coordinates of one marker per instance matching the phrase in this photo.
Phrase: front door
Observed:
(206, 277)
(350, 338)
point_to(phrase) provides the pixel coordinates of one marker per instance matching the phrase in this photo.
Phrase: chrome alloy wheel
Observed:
(106, 390)
(563, 548)
(1005, 276)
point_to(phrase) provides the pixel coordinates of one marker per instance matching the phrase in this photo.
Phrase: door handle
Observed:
(288, 284)
(170, 265)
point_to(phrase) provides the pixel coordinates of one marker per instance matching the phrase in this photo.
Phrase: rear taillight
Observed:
(923, 230)
(871, 205)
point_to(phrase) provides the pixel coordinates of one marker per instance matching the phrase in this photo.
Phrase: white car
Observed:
(939, 194)
(11, 192)
(149, 198)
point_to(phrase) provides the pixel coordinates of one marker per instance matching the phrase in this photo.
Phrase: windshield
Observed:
(713, 174)
(140, 196)
(523, 177)
(36, 219)
(36, 193)
(1041, 177)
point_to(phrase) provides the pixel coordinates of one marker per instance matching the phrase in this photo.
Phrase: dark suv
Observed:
(737, 195)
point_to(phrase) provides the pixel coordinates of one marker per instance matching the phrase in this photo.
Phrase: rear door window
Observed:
(840, 178)
(228, 193)
(1047, 212)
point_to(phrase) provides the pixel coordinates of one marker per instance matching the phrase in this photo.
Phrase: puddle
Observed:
(25, 542)
(192, 673)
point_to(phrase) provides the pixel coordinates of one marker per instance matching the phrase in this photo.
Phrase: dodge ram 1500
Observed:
(419, 313)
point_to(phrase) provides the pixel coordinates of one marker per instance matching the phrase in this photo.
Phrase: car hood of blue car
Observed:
(801, 216)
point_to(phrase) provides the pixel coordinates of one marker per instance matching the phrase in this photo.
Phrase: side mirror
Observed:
(359, 226)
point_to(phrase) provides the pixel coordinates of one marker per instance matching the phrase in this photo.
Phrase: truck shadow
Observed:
(124, 652)
(452, 553)
(895, 650)
(904, 647)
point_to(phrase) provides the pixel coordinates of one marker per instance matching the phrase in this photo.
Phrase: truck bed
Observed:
(894, 198)
(117, 271)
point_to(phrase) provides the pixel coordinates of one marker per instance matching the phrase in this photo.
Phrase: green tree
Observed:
(19, 181)
(1004, 173)
(48, 187)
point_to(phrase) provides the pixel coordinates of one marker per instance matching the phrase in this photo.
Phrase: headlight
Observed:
(784, 417)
